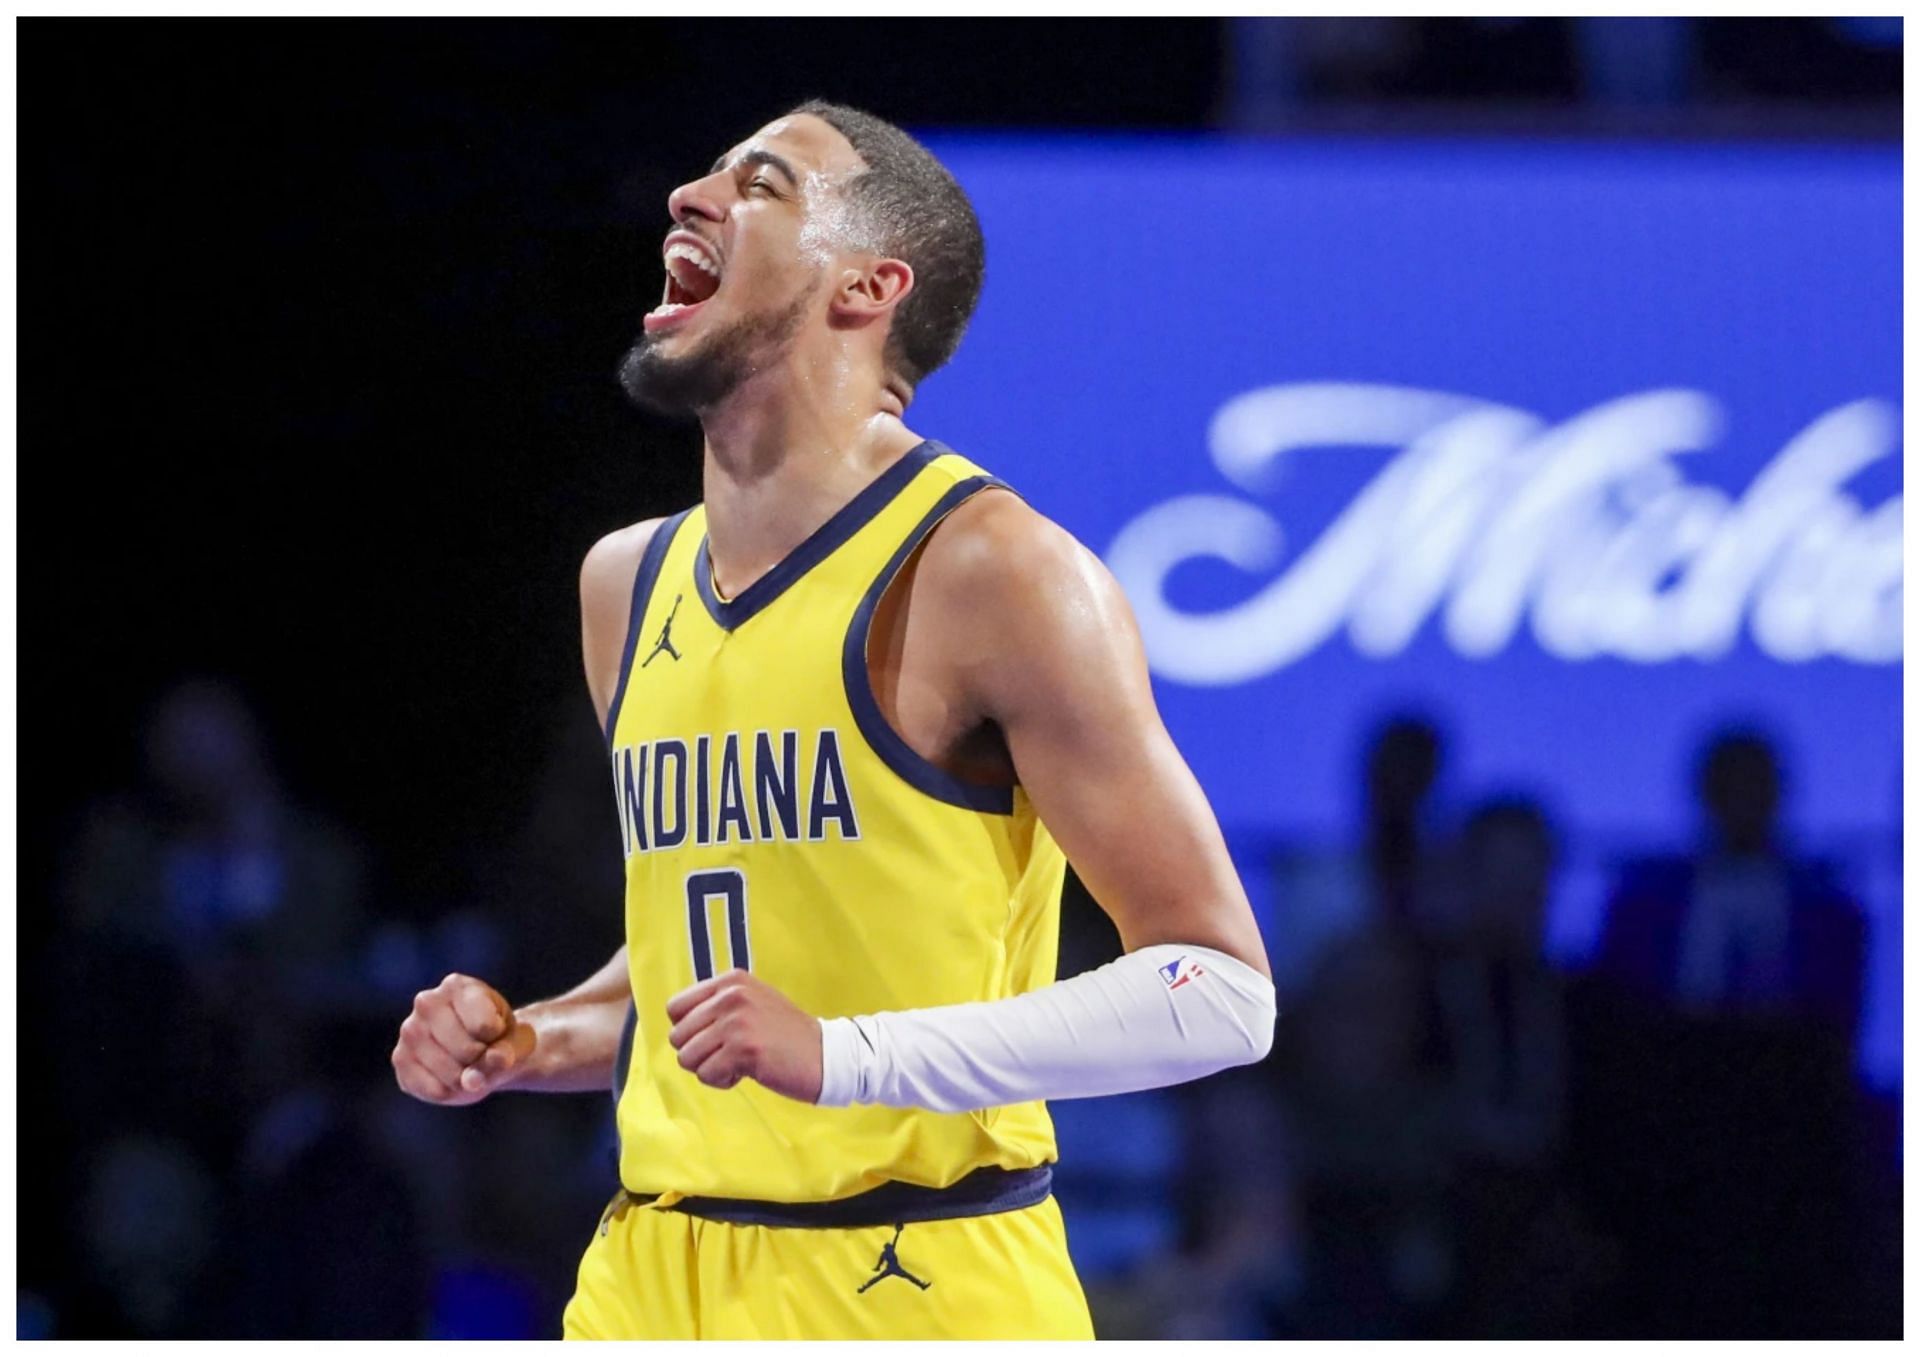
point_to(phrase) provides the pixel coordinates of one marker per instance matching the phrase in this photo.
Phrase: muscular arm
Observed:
(577, 1034)
(1044, 645)
(1020, 626)
(463, 1041)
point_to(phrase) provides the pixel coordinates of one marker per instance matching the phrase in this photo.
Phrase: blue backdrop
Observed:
(1582, 448)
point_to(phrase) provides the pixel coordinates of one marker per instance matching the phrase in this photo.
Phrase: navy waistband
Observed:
(984, 1192)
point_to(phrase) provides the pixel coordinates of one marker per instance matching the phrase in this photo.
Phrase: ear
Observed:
(871, 293)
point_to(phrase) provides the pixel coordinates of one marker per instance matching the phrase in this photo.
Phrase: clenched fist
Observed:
(460, 1043)
(736, 1027)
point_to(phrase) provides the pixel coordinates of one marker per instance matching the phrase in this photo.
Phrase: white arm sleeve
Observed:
(1158, 1016)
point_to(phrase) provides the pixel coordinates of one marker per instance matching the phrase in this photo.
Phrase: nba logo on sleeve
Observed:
(1177, 972)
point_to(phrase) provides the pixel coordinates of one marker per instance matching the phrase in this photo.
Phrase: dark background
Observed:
(318, 330)
(324, 319)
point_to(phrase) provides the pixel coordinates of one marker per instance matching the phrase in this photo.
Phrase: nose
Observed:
(696, 199)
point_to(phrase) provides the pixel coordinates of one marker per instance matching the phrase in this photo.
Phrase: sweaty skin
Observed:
(1004, 651)
(1007, 649)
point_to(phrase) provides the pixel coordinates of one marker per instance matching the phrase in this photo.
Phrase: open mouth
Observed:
(693, 276)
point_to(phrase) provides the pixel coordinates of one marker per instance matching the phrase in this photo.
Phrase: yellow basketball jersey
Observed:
(772, 819)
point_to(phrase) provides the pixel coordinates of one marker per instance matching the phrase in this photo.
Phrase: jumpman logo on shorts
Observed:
(666, 636)
(889, 1264)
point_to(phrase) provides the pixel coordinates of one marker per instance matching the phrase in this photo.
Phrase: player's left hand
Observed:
(736, 1026)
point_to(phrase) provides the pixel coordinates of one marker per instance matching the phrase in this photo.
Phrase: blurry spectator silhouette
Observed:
(148, 1221)
(208, 858)
(1740, 925)
(1367, 1138)
(1714, 1100)
(1335, 1219)
(1402, 766)
(204, 911)
(209, 929)
(1528, 1259)
(1395, 870)
(1320, 1183)
(1404, 1177)
(328, 1241)
(210, 855)
(1500, 1002)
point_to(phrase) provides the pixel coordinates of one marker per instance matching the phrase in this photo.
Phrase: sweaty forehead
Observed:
(811, 145)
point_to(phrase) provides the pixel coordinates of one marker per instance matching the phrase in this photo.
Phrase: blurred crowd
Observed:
(1282, 69)
(1452, 1136)
(221, 997)
(1456, 1138)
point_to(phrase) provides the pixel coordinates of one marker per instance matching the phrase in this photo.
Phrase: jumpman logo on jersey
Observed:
(666, 636)
(889, 1264)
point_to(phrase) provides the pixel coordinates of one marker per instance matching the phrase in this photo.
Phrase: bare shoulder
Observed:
(606, 597)
(996, 556)
(1030, 623)
(611, 562)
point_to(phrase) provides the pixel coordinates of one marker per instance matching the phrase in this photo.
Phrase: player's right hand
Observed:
(460, 1043)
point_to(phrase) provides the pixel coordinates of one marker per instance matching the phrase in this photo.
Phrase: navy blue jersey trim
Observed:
(643, 581)
(625, 1056)
(984, 1192)
(852, 516)
(894, 751)
(620, 1063)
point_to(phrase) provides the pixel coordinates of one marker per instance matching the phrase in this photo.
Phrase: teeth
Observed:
(694, 256)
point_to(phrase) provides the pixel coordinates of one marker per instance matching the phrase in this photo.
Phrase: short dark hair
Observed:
(917, 212)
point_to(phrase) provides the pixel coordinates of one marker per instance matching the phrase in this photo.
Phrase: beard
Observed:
(711, 371)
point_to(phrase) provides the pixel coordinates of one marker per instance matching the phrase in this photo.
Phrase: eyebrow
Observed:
(767, 158)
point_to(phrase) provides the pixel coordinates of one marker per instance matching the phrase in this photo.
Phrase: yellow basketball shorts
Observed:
(652, 1272)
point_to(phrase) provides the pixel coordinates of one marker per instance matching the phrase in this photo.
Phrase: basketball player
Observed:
(863, 703)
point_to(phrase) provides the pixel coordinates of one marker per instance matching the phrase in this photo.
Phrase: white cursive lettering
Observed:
(1488, 517)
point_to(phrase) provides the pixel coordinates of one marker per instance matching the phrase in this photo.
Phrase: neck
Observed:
(785, 452)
